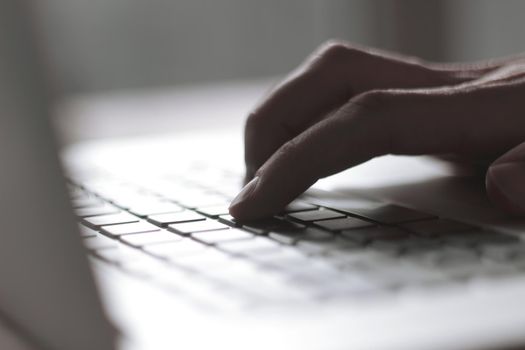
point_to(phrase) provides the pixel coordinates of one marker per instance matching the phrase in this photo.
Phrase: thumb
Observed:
(506, 180)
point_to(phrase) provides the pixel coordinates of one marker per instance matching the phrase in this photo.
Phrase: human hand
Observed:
(346, 105)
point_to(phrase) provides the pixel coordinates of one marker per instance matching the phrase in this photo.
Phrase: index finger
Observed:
(329, 78)
(384, 122)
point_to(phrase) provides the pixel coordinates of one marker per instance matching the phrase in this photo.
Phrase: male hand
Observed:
(346, 105)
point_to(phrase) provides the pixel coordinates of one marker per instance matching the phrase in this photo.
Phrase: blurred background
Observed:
(98, 46)
(113, 44)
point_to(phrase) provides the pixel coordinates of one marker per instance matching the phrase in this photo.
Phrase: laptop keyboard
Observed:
(176, 232)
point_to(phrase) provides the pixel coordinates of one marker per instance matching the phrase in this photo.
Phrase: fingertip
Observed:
(259, 199)
(246, 211)
(245, 206)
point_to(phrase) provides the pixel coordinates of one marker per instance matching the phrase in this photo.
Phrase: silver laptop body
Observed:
(168, 282)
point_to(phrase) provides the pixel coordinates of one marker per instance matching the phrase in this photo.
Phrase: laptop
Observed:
(128, 244)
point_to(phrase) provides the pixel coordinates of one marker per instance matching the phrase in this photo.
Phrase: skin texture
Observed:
(345, 105)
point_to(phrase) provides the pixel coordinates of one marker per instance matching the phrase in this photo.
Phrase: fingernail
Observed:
(245, 192)
(509, 180)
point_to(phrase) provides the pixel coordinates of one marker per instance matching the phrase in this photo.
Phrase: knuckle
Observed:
(334, 52)
(288, 149)
(281, 159)
(374, 111)
(334, 64)
(373, 100)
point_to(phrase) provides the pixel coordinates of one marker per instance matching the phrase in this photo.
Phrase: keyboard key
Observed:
(203, 200)
(99, 242)
(212, 237)
(283, 238)
(367, 234)
(481, 237)
(316, 248)
(263, 226)
(311, 248)
(112, 219)
(109, 255)
(474, 271)
(285, 260)
(351, 286)
(131, 199)
(496, 253)
(343, 224)
(197, 226)
(124, 229)
(86, 231)
(229, 220)
(416, 245)
(255, 230)
(77, 193)
(284, 227)
(85, 202)
(316, 215)
(297, 206)
(403, 274)
(431, 228)
(172, 250)
(214, 211)
(272, 224)
(354, 257)
(313, 234)
(294, 232)
(364, 261)
(251, 246)
(424, 257)
(325, 279)
(140, 239)
(518, 252)
(94, 211)
(388, 213)
(209, 262)
(121, 254)
(145, 266)
(502, 252)
(157, 207)
(387, 246)
(445, 257)
(456, 257)
(464, 239)
(171, 218)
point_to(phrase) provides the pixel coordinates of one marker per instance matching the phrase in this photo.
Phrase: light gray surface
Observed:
(159, 111)
(484, 316)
